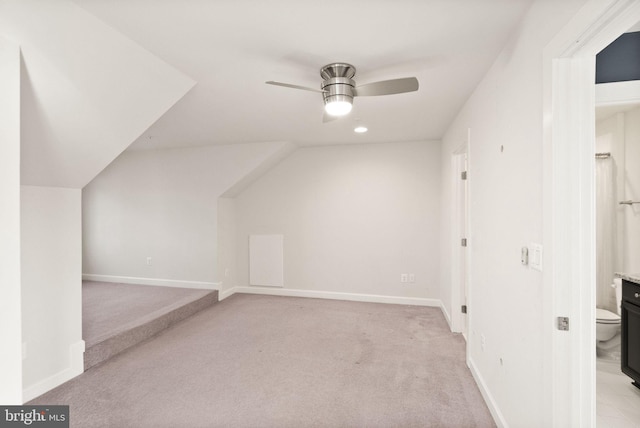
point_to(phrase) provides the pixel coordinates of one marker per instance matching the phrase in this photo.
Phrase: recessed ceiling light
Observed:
(360, 129)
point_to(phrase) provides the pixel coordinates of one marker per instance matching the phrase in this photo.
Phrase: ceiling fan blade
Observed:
(387, 87)
(289, 85)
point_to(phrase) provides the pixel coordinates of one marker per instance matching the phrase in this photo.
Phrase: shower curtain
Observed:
(605, 234)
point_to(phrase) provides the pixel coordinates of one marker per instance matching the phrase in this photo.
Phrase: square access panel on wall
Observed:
(266, 260)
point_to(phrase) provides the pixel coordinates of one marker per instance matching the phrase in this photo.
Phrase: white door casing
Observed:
(569, 206)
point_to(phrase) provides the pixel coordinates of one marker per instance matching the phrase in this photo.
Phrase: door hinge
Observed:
(463, 242)
(463, 175)
(463, 309)
(563, 323)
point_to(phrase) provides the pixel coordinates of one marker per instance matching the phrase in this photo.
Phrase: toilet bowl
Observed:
(608, 323)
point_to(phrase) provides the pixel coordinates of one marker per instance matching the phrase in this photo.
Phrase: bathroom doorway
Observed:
(617, 187)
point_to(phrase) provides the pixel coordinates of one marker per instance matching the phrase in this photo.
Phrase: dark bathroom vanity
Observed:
(631, 327)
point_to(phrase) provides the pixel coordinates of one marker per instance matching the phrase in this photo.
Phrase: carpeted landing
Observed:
(116, 317)
(265, 361)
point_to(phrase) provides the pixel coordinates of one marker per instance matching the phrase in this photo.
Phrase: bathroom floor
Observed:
(617, 401)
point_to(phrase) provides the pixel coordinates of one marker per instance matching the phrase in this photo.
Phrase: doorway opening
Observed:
(617, 144)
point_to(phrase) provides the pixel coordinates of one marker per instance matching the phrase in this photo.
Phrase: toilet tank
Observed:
(617, 284)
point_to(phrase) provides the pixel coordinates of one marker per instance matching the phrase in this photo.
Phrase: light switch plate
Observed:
(535, 256)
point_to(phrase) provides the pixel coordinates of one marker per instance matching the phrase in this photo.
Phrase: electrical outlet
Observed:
(149, 261)
(412, 277)
(404, 277)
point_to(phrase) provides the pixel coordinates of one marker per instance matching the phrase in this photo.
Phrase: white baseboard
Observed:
(77, 356)
(223, 294)
(371, 298)
(447, 317)
(76, 353)
(486, 394)
(152, 281)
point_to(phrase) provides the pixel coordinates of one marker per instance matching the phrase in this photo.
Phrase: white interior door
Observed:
(459, 273)
(464, 269)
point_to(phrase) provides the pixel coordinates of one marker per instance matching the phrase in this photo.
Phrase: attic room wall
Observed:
(353, 218)
(162, 204)
(227, 263)
(10, 302)
(506, 207)
(51, 287)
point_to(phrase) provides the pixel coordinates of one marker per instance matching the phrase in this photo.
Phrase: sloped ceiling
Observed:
(87, 91)
(231, 47)
(101, 76)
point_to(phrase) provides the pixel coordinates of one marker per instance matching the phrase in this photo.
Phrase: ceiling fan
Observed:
(338, 88)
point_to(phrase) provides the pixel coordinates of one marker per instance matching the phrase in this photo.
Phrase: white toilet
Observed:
(608, 325)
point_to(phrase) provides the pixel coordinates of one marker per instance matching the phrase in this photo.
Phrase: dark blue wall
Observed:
(620, 61)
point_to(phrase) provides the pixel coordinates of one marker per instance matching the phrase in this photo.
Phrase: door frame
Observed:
(459, 230)
(569, 206)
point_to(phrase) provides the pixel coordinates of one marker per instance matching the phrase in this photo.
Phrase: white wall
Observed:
(631, 243)
(619, 134)
(353, 218)
(10, 306)
(51, 287)
(163, 204)
(610, 139)
(504, 114)
(227, 263)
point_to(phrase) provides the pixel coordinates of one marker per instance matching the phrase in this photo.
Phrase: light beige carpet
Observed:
(110, 308)
(116, 317)
(262, 361)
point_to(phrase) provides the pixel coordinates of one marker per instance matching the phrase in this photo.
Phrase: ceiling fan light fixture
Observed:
(338, 108)
(338, 88)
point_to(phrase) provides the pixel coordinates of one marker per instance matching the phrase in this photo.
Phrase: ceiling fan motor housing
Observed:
(337, 82)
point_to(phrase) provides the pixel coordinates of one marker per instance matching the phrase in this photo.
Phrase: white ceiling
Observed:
(231, 47)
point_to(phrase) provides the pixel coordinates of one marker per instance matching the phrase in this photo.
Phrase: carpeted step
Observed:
(144, 328)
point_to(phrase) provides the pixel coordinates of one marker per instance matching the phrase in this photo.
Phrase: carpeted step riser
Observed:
(112, 346)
